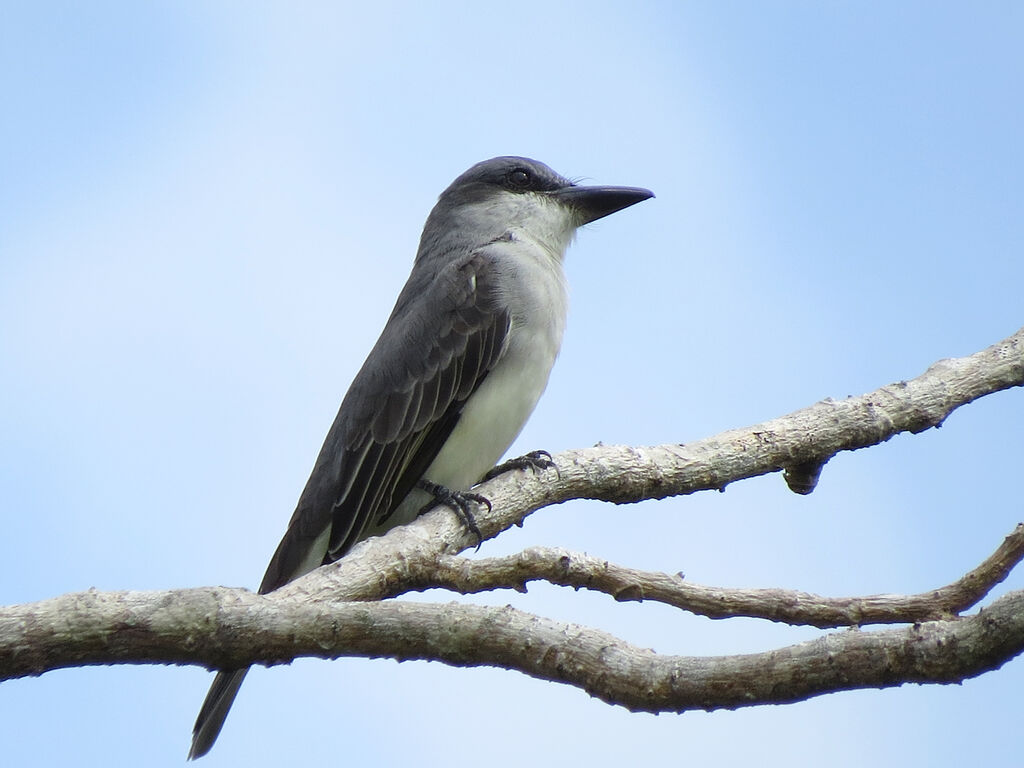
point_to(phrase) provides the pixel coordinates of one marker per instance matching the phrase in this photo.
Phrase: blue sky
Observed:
(207, 210)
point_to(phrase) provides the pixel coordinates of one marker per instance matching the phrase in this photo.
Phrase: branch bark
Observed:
(582, 571)
(166, 627)
(336, 610)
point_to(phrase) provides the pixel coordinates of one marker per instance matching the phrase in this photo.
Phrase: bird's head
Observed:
(521, 196)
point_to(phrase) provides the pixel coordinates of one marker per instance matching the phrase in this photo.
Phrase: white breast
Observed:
(534, 290)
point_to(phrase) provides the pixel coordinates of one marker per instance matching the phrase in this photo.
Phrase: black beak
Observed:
(593, 203)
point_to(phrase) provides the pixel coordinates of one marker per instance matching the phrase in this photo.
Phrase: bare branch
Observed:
(101, 628)
(582, 571)
(805, 438)
(316, 615)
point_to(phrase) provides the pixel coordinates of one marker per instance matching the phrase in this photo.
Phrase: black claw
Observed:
(534, 460)
(459, 502)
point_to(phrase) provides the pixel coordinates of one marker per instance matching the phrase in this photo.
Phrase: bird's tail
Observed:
(215, 708)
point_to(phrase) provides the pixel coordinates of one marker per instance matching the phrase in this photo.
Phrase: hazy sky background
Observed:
(207, 210)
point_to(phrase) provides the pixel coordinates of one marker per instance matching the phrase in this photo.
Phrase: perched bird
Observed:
(452, 379)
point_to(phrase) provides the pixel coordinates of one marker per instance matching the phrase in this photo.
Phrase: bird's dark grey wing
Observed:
(443, 337)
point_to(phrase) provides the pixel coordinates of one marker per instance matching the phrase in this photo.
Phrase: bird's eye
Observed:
(519, 178)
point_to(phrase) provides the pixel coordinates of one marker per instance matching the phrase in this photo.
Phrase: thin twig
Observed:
(582, 571)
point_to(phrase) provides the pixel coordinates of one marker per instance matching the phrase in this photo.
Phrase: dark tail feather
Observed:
(215, 708)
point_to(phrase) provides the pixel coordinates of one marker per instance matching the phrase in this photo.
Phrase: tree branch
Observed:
(317, 616)
(810, 436)
(807, 437)
(582, 571)
(139, 627)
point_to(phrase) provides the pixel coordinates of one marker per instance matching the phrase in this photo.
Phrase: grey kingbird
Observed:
(452, 379)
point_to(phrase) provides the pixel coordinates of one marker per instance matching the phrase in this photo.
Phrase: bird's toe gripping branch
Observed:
(459, 502)
(534, 460)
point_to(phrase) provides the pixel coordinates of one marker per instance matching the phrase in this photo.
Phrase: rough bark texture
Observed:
(582, 571)
(336, 611)
(166, 627)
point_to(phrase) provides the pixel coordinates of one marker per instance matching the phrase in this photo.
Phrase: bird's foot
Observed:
(459, 502)
(534, 460)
